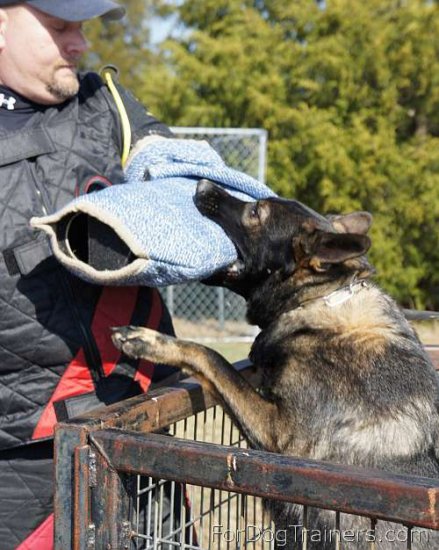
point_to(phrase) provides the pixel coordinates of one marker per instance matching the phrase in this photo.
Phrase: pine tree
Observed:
(123, 44)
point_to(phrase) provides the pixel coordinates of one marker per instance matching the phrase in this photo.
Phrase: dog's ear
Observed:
(336, 248)
(356, 222)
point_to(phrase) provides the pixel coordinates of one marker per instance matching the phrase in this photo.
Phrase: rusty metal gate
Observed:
(113, 477)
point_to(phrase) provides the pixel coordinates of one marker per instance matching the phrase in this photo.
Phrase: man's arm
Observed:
(142, 122)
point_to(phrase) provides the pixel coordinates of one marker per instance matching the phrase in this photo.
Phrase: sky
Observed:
(160, 28)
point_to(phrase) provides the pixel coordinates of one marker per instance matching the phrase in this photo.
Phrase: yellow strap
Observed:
(126, 127)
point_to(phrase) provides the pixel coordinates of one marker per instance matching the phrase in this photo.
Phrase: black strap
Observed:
(25, 258)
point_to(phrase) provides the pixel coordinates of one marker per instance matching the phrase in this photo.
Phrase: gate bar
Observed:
(405, 499)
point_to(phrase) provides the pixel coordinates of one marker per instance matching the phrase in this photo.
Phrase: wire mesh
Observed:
(241, 148)
(204, 518)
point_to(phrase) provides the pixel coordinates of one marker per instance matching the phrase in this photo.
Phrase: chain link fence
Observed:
(211, 313)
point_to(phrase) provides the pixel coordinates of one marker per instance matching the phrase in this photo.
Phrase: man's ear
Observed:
(3, 25)
(357, 222)
(336, 248)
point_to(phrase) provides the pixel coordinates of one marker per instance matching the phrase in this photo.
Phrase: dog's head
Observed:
(283, 238)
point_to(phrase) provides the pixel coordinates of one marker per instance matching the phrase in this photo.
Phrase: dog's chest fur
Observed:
(353, 380)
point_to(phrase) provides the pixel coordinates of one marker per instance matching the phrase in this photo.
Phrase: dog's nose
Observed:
(204, 186)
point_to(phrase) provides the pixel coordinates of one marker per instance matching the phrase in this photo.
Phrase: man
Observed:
(60, 133)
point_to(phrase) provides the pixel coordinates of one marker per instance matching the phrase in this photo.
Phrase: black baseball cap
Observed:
(73, 10)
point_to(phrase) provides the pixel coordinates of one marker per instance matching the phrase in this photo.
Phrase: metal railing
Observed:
(212, 486)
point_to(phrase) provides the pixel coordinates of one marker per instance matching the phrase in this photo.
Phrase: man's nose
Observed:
(76, 44)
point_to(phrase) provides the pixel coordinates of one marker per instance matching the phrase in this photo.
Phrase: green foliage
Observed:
(349, 93)
(124, 43)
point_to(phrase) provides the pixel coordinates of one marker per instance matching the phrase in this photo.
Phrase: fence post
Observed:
(220, 295)
(67, 439)
(110, 506)
(262, 156)
(170, 299)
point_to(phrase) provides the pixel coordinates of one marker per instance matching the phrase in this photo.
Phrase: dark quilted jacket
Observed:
(46, 314)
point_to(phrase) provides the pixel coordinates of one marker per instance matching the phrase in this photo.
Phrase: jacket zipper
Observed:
(91, 350)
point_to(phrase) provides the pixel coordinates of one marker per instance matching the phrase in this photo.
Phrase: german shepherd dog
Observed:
(345, 378)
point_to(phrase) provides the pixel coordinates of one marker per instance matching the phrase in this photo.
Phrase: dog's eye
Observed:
(254, 211)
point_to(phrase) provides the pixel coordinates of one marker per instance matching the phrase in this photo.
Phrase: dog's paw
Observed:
(138, 342)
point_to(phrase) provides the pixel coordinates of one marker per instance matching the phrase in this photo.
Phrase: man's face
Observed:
(39, 54)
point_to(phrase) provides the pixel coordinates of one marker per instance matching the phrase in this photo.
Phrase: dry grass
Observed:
(428, 331)
(211, 329)
(233, 342)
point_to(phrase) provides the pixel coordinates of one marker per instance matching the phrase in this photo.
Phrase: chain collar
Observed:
(339, 296)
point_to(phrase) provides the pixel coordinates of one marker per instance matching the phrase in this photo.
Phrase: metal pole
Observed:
(170, 299)
(416, 315)
(262, 155)
(220, 294)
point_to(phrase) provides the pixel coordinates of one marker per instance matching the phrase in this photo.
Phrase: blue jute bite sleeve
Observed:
(160, 235)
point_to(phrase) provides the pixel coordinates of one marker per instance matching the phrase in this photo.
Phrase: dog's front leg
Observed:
(254, 415)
